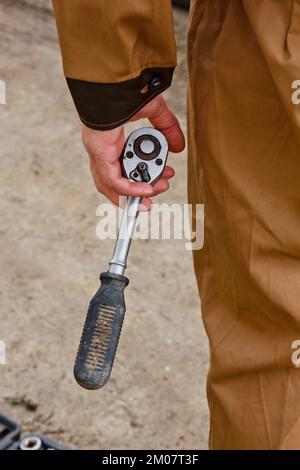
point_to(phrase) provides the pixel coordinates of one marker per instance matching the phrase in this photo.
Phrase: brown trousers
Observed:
(244, 165)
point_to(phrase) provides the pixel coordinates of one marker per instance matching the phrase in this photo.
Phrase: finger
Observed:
(108, 178)
(168, 172)
(160, 186)
(129, 188)
(162, 118)
(123, 186)
(146, 204)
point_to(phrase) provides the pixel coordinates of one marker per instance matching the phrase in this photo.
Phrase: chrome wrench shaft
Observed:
(118, 263)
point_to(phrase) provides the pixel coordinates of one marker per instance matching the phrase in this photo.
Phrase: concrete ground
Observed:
(50, 260)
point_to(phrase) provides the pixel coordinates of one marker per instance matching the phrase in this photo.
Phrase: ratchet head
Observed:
(145, 155)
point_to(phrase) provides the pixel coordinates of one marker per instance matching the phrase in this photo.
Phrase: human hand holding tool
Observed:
(143, 159)
(105, 147)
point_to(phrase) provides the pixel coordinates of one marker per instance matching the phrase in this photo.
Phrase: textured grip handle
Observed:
(101, 332)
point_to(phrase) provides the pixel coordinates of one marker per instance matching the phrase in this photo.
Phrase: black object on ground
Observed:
(10, 438)
(37, 442)
(10, 432)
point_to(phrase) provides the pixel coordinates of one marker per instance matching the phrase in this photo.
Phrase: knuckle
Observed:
(111, 184)
(99, 189)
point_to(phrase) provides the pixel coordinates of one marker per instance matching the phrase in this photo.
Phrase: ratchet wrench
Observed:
(143, 159)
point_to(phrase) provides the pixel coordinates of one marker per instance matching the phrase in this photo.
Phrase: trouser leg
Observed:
(244, 165)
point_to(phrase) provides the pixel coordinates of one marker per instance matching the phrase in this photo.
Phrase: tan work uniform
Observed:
(244, 165)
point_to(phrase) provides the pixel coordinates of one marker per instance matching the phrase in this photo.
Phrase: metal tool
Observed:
(10, 432)
(144, 158)
(37, 442)
(31, 443)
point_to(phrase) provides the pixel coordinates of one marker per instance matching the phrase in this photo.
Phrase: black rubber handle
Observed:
(101, 332)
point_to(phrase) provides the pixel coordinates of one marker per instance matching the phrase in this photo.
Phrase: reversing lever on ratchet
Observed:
(143, 159)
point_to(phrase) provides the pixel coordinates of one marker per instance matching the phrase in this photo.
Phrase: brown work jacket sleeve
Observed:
(117, 55)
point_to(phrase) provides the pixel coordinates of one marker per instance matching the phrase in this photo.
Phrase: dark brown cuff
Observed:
(104, 106)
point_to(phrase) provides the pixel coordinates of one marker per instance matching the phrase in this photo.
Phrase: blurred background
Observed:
(50, 260)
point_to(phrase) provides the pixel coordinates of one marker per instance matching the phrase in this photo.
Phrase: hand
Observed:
(105, 147)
